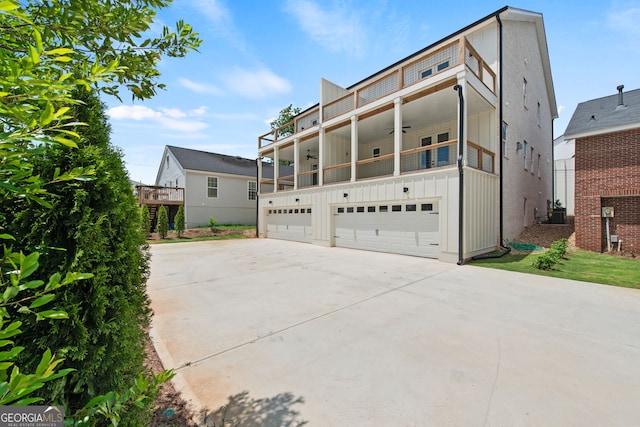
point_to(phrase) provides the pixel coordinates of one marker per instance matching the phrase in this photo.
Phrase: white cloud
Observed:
(240, 116)
(200, 87)
(337, 29)
(174, 113)
(255, 84)
(198, 111)
(172, 119)
(134, 112)
(626, 20)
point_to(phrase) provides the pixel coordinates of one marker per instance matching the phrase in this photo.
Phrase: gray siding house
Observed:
(215, 185)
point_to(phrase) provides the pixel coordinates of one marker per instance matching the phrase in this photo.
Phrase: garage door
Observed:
(289, 224)
(402, 228)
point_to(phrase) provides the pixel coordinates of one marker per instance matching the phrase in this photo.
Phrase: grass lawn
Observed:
(577, 265)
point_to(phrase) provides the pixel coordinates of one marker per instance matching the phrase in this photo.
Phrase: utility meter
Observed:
(607, 212)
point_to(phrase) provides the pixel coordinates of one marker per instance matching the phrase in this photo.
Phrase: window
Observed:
(176, 182)
(252, 189)
(426, 73)
(376, 152)
(396, 208)
(425, 156)
(524, 153)
(538, 113)
(426, 207)
(383, 209)
(504, 139)
(443, 65)
(524, 93)
(410, 208)
(349, 210)
(371, 208)
(360, 209)
(212, 187)
(340, 210)
(443, 152)
(167, 162)
(531, 161)
(539, 159)
(314, 177)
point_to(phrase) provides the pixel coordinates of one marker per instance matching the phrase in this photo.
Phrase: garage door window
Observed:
(384, 209)
(427, 207)
(371, 209)
(396, 208)
(410, 208)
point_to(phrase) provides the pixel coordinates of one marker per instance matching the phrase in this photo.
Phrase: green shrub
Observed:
(554, 255)
(212, 224)
(145, 222)
(163, 222)
(544, 261)
(179, 221)
(560, 247)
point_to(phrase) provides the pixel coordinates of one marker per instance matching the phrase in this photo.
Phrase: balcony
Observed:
(157, 195)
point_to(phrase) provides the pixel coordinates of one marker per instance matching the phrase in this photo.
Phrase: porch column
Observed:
(354, 148)
(259, 177)
(397, 135)
(296, 156)
(321, 157)
(276, 169)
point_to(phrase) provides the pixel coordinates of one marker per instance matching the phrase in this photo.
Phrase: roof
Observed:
(603, 115)
(205, 161)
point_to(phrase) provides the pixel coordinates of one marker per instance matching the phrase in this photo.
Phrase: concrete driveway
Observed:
(285, 334)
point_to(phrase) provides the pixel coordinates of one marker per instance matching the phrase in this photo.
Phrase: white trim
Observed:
(601, 131)
(217, 187)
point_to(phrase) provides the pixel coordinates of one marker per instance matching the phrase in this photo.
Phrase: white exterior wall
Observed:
(522, 60)
(231, 207)
(565, 183)
(170, 172)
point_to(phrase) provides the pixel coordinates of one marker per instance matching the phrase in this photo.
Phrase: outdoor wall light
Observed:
(297, 200)
(405, 189)
(270, 202)
(345, 195)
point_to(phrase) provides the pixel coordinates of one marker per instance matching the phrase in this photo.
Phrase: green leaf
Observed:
(10, 293)
(52, 314)
(47, 115)
(65, 141)
(7, 237)
(34, 55)
(60, 51)
(45, 361)
(42, 300)
(7, 5)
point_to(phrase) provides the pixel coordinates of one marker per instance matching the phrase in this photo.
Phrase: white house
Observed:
(215, 186)
(564, 172)
(445, 154)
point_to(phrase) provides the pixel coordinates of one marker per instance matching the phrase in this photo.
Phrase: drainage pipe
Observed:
(501, 131)
(258, 160)
(458, 88)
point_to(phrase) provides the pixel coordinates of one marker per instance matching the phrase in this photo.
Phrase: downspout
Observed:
(257, 194)
(501, 192)
(460, 171)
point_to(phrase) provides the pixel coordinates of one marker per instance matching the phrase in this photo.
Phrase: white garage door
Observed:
(402, 228)
(289, 224)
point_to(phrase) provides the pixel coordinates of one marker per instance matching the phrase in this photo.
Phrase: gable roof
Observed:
(205, 161)
(603, 115)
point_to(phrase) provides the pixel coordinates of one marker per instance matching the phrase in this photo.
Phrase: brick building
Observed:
(607, 135)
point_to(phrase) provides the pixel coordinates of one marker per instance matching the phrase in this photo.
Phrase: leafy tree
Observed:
(163, 222)
(104, 338)
(47, 51)
(145, 222)
(179, 220)
(284, 119)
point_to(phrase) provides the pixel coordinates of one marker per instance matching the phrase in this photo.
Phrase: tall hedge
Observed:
(93, 227)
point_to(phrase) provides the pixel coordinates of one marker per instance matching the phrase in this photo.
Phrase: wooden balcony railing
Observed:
(157, 195)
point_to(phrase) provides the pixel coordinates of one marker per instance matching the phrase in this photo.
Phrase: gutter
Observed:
(258, 160)
(458, 88)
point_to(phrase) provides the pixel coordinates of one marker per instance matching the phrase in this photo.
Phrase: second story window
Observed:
(524, 154)
(504, 139)
(524, 93)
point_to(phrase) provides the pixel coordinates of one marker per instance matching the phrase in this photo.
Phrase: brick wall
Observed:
(608, 174)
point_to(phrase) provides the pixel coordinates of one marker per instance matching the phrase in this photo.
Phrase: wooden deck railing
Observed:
(157, 195)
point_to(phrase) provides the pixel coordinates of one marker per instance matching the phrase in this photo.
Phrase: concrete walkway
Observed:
(285, 334)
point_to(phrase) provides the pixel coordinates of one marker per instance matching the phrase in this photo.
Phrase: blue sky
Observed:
(260, 56)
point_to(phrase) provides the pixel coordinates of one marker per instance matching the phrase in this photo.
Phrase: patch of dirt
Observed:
(198, 232)
(544, 234)
(170, 409)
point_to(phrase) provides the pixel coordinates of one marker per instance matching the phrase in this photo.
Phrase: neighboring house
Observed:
(564, 172)
(607, 135)
(215, 186)
(376, 164)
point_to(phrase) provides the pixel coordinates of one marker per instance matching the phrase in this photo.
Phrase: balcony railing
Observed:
(429, 157)
(308, 179)
(424, 66)
(375, 167)
(156, 195)
(480, 158)
(337, 173)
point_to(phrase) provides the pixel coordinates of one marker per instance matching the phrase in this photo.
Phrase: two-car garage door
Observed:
(403, 228)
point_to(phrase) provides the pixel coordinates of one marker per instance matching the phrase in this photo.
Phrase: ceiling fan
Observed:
(310, 156)
(403, 129)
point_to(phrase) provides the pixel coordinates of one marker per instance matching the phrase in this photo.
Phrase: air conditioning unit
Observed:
(607, 212)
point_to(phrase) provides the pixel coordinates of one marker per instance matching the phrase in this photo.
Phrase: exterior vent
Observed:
(621, 105)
